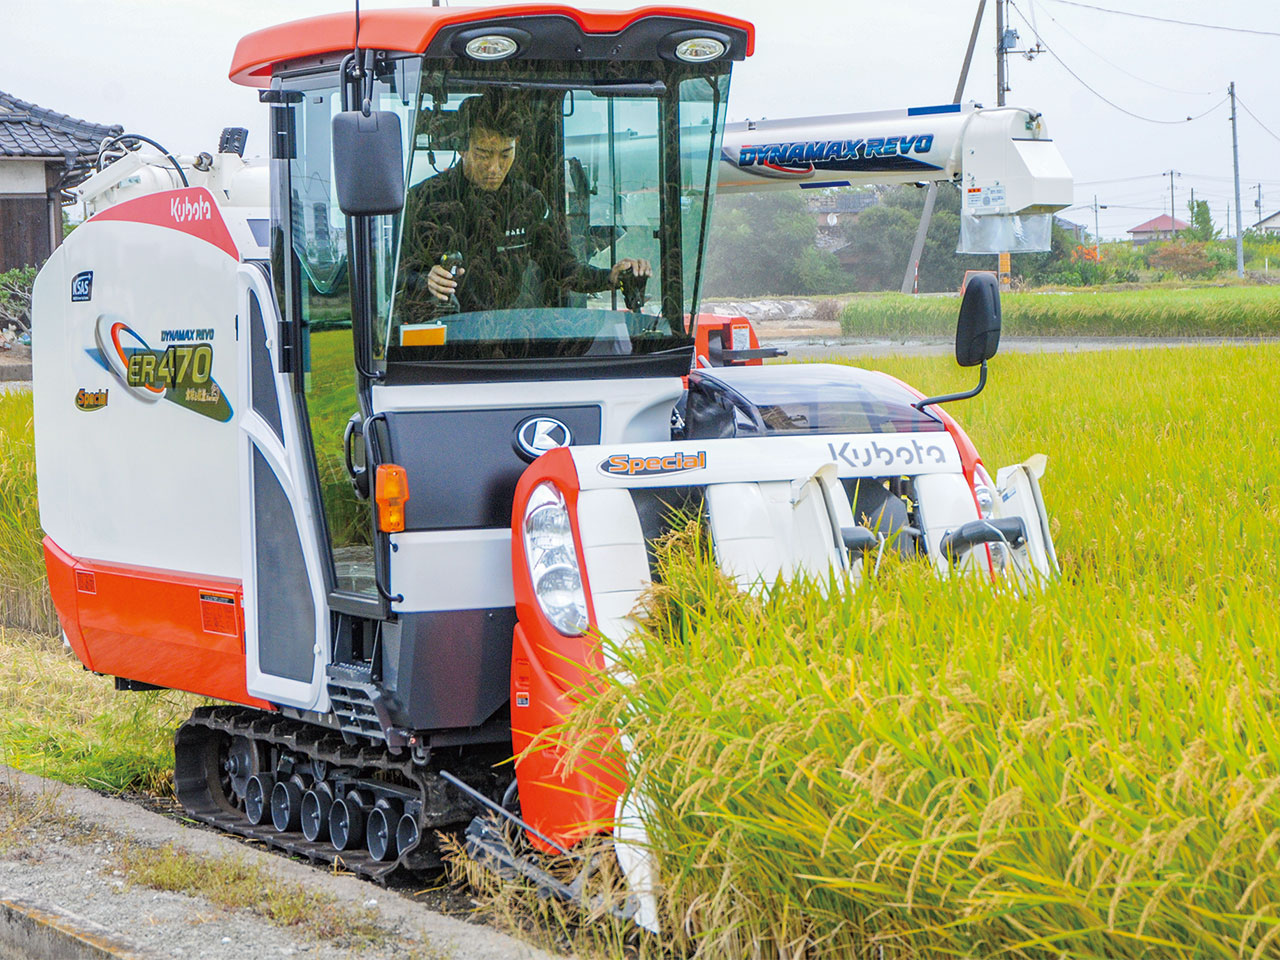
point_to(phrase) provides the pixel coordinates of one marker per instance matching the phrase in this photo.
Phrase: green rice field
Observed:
(933, 769)
(1224, 311)
(940, 769)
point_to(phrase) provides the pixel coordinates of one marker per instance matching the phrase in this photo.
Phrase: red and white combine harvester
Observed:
(370, 440)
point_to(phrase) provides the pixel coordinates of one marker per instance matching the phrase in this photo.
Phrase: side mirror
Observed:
(977, 334)
(368, 163)
(978, 330)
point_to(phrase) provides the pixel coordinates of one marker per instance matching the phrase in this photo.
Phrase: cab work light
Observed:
(699, 49)
(391, 491)
(492, 46)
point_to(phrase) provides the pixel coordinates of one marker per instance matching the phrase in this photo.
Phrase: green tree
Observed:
(762, 243)
(1202, 229)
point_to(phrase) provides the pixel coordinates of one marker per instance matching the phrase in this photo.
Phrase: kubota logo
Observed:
(536, 435)
(625, 465)
(184, 209)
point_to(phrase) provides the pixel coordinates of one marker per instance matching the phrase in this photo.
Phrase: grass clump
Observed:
(933, 769)
(57, 720)
(24, 593)
(233, 884)
(1196, 312)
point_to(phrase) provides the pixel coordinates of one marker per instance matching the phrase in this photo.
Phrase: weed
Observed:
(233, 884)
(58, 720)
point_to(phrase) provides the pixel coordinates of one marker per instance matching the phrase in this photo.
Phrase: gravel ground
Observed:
(67, 860)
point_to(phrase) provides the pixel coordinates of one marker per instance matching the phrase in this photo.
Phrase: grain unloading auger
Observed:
(384, 520)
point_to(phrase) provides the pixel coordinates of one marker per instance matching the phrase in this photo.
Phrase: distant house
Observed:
(1269, 224)
(835, 209)
(42, 155)
(1077, 230)
(1162, 227)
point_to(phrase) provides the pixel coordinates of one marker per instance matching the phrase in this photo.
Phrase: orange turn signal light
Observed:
(391, 491)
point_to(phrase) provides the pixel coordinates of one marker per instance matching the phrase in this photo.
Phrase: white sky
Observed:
(159, 68)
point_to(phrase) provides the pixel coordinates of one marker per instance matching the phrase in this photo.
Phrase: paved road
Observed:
(820, 349)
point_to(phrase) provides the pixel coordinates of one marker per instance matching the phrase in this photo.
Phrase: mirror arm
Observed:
(947, 398)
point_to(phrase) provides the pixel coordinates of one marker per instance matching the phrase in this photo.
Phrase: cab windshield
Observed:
(564, 207)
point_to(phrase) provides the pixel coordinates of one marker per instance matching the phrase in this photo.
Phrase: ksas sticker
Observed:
(89, 400)
(625, 465)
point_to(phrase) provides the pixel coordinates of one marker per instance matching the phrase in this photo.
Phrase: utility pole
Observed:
(1172, 210)
(1258, 205)
(1235, 159)
(1096, 253)
(1001, 59)
(917, 248)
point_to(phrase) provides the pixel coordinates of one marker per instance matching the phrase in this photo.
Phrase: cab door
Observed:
(285, 599)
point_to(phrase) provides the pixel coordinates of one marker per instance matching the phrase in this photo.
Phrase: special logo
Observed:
(89, 400)
(625, 465)
(82, 286)
(536, 435)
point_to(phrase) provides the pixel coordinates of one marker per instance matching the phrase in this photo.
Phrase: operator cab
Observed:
(612, 123)
(612, 161)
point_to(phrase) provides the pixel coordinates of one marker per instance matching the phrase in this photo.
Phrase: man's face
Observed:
(488, 158)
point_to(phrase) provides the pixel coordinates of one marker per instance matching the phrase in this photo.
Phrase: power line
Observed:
(1152, 83)
(1255, 119)
(1181, 23)
(1111, 103)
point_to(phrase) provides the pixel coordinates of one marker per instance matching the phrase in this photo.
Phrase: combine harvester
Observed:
(392, 565)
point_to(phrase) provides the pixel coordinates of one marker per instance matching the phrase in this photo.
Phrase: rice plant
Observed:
(24, 596)
(1198, 312)
(924, 769)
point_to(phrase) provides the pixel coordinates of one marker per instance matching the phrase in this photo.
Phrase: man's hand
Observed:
(443, 284)
(640, 268)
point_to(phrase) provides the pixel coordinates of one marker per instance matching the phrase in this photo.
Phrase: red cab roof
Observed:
(412, 30)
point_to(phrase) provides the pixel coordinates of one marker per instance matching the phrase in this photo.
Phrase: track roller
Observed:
(257, 797)
(316, 804)
(346, 821)
(286, 804)
(380, 831)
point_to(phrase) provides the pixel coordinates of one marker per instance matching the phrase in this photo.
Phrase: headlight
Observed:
(553, 561)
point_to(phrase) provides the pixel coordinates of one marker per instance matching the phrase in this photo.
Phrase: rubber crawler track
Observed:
(199, 746)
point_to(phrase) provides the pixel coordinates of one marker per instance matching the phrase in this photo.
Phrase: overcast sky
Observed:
(159, 67)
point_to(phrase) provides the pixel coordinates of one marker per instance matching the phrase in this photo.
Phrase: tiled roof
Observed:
(1159, 225)
(30, 131)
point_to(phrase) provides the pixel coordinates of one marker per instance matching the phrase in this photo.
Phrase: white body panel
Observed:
(1018, 495)
(946, 504)
(466, 569)
(1004, 154)
(139, 481)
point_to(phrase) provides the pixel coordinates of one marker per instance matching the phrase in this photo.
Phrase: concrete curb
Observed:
(459, 939)
(15, 371)
(30, 930)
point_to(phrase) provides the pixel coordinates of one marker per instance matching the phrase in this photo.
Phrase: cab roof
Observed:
(554, 31)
